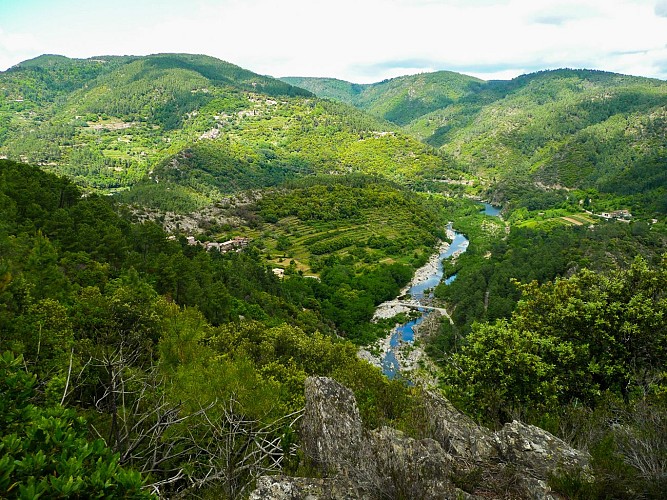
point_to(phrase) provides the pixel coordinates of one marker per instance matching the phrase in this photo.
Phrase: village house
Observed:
(616, 214)
(238, 243)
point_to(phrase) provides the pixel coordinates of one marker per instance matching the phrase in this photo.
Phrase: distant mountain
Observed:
(185, 128)
(182, 129)
(564, 128)
(571, 128)
(399, 100)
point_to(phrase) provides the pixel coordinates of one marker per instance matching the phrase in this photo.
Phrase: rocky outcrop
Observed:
(403, 467)
(456, 432)
(331, 429)
(537, 452)
(381, 463)
(384, 463)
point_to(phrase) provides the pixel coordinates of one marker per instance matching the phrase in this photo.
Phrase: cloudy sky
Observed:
(357, 40)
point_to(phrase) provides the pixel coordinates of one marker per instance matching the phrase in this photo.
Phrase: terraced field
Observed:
(548, 220)
(374, 238)
(363, 226)
(579, 219)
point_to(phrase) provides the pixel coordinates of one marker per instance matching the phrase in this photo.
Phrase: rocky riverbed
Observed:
(401, 351)
(389, 309)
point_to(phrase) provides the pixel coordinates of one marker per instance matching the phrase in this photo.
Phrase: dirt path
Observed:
(573, 221)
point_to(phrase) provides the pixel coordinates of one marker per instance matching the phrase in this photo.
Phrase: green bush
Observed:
(45, 452)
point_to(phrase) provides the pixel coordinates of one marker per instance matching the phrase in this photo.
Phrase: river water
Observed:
(422, 291)
(491, 210)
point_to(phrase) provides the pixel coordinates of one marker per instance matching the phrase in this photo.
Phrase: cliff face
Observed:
(384, 463)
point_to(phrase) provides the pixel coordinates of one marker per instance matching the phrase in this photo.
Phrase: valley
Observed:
(352, 211)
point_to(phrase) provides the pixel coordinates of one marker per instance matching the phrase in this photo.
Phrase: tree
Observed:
(569, 340)
(44, 450)
(41, 269)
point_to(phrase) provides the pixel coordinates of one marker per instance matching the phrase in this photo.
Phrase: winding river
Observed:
(422, 291)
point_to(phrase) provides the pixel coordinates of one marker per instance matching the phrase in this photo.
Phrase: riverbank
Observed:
(425, 272)
(401, 351)
(389, 309)
(410, 358)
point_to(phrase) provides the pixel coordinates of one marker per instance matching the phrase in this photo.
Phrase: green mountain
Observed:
(189, 127)
(582, 129)
(399, 100)
(576, 129)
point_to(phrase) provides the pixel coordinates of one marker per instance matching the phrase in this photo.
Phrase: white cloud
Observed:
(16, 47)
(368, 40)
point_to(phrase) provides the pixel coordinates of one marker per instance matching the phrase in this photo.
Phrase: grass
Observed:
(558, 219)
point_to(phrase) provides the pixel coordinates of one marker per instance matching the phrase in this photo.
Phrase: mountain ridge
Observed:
(580, 129)
(110, 124)
(389, 99)
(138, 120)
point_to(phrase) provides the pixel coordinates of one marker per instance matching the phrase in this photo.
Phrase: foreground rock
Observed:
(384, 463)
(456, 432)
(331, 427)
(534, 449)
(297, 488)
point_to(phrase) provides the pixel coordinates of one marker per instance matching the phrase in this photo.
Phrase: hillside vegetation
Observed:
(167, 349)
(399, 100)
(190, 128)
(572, 128)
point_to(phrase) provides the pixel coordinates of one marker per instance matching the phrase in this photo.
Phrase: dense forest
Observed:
(565, 128)
(136, 359)
(127, 327)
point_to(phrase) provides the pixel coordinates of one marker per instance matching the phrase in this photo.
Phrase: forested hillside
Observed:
(138, 332)
(583, 357)
(566, 128)
(399, 100)
(131, 329)
(190, 128)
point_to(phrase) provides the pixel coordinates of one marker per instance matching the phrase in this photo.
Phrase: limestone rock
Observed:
(537, 451)
(536, 489)
(410, 468)
(385, 463)
(305, 488)
(331, 429)
(457, 433)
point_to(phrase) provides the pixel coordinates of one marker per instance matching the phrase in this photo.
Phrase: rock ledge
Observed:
(384, 463)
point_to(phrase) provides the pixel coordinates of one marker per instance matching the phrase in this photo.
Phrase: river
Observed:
(491, 210)
(421, 291)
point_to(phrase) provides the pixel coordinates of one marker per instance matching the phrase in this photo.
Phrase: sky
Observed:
(362, 41)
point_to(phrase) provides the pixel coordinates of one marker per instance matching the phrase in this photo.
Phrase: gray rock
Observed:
(306, 488)
(331, 429)
(537, 489)
(457, 433)
(410, 468)
(385, 463)
(538, 452)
